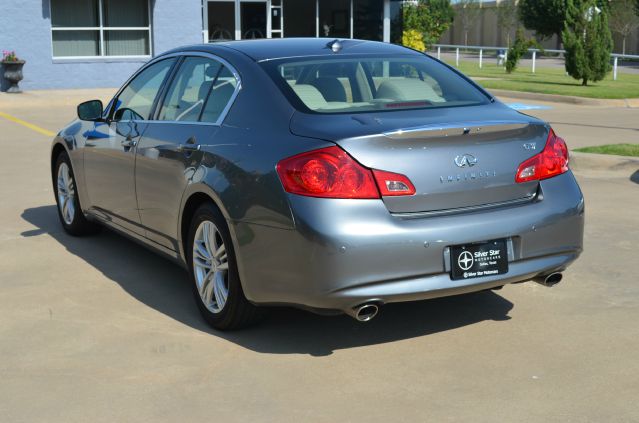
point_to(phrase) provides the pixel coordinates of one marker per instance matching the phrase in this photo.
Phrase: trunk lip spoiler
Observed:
(456, 129)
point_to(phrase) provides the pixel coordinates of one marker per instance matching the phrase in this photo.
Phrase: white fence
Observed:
(615, 57)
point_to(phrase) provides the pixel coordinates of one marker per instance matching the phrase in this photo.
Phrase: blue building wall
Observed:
(25, 26)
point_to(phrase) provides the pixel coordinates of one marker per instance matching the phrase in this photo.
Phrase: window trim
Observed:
(101, 42)
(160, 98)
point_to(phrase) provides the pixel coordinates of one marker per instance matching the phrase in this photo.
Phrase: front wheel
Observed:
(69, 211)
(213, 269)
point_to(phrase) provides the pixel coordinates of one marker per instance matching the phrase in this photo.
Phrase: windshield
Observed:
(342, 84)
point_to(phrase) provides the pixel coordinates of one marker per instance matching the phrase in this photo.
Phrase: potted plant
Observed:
(12, 70)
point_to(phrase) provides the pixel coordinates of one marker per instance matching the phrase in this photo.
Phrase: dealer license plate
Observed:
(479, 260)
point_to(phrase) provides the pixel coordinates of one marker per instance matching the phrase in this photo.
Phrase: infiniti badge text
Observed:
(468, 176)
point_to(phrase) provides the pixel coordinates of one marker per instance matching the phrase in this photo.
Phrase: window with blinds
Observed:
(94, 28)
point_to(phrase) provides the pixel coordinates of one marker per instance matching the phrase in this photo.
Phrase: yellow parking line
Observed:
(27, 124)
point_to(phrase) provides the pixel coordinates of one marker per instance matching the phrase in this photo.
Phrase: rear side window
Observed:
(200, 91)
(189, 90)
(342, 84)
(220, 95)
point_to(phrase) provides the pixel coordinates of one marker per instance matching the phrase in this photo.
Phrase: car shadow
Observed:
(164, 286)
(635, 177)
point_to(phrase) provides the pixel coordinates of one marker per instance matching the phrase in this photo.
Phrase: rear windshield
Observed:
(343, 84)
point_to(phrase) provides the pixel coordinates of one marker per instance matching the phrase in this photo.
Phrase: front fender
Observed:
(70, 140)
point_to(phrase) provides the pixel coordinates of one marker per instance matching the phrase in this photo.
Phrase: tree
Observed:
(587, 40)
(545, 17)
(431, 18)
(623, 19)
(507, 17)
(467, 11)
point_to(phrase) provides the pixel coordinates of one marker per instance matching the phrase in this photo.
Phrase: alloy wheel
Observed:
(66, 193)
(210, 265)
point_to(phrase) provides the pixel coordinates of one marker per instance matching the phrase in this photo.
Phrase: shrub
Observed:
(412, 38)
(519, 48)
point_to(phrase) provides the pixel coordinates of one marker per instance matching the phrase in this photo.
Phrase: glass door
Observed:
(335, 18)
(221, 20)
(253, 19)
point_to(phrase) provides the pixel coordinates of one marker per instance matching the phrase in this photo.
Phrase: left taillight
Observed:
(332, 173)
(328, 173)
(552, 161)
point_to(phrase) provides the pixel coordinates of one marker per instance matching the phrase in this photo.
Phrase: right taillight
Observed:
(552, 161)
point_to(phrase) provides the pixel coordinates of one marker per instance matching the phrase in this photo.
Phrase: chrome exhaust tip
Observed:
(549, 280)
(364, 312)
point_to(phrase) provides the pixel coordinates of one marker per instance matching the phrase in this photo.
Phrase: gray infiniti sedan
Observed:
(332, 175)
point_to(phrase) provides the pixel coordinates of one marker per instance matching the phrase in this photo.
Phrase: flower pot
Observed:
(13, 74)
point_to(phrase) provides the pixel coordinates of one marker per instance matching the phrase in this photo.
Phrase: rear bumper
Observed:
(343, 253)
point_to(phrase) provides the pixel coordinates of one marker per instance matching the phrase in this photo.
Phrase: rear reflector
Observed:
(393, 184)
(331, 173)
(552, 161)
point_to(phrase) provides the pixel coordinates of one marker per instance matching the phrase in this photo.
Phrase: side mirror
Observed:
(90, 110)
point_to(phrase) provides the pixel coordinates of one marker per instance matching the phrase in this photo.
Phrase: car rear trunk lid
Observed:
(454, 164)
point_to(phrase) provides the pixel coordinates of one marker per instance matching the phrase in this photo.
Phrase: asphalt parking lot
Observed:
(99, 329)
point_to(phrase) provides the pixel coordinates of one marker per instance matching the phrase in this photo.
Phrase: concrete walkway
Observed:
(585, 126)
(98, 329)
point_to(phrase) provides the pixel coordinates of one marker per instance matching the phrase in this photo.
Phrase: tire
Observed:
(68, 204)
(213, 270)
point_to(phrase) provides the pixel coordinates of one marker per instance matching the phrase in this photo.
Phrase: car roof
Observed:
(271, 48)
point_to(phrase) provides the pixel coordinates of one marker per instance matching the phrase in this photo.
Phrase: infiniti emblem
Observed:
(466, 160)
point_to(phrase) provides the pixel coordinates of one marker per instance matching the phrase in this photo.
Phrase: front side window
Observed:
(136, 100)
(94, 28)
(201, 91)
(346, 84)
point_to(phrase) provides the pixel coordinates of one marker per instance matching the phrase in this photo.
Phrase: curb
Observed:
(603, 163)
(567, 99)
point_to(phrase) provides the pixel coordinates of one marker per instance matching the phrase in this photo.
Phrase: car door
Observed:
(109, 157)
(168, 154)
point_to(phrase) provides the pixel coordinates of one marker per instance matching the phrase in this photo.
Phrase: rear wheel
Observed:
(69, 211)
(216, 283)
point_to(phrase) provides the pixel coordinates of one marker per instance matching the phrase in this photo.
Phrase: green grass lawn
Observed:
(550, 81)
(617, 149)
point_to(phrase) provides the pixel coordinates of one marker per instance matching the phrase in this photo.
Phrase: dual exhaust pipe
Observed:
(549, 280)
(363, 313)
(367, 311)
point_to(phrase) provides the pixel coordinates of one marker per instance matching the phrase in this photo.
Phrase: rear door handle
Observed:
(189, 146)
